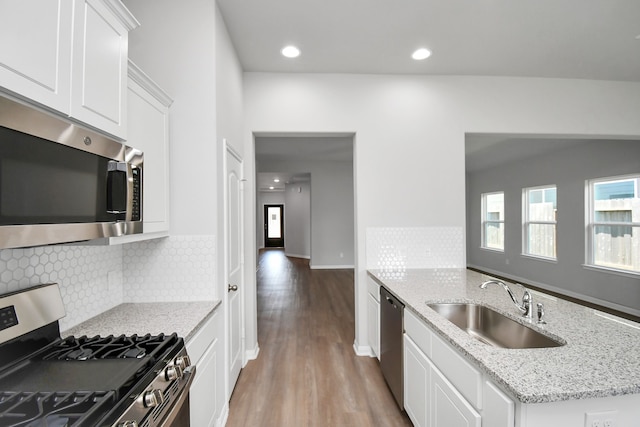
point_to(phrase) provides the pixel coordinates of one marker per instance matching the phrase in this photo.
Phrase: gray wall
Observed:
(297, 220)
(332, 209)
(567, 169)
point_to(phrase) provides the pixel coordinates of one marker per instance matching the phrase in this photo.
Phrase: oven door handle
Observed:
(168, 420)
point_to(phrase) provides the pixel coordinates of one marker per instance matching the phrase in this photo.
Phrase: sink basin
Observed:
(490, 327)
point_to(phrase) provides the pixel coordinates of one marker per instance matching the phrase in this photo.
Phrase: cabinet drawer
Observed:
(418, 332)
(373, 288)
(458, 371)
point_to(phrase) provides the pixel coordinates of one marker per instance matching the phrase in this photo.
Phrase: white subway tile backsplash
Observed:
(399, 248)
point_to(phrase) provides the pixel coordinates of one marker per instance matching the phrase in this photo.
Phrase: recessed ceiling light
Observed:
(276, 180)
(421, 54)
(290, 51)
(271, 188)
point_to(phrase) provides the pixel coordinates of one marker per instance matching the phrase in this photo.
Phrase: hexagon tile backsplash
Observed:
(178, 268)
(399, 248)
(81, 271)
(94, 279)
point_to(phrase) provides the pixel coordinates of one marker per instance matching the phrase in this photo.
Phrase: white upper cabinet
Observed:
(148, 113)
(99, 68)
(35, 52)
(69, 56)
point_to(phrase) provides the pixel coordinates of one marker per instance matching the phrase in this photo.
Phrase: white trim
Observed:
(330, 267)
(141, 78)
(610, 270)
(224, 416)
(122, 13)
(560, 291)
(251, 354)
(363, 350)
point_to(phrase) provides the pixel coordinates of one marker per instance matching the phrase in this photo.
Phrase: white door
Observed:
(234, 261)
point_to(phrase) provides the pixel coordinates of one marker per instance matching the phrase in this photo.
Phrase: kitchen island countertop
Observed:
(183, 318)
(601, 357)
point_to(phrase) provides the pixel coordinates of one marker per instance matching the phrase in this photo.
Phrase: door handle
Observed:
(233, 288)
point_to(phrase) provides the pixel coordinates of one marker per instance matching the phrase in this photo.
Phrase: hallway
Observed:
(307, 373)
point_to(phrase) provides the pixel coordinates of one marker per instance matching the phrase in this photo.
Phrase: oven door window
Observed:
(43, 182)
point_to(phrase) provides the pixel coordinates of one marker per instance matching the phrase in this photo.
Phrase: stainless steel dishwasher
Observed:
(391, 330)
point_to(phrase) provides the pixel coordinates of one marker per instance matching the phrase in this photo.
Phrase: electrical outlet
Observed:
(600, 419)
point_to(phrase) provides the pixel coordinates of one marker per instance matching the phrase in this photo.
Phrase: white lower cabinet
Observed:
(417, 378)
(449, 408)
(206, 396)
(449, 394)
(373, 315)
(373, 310)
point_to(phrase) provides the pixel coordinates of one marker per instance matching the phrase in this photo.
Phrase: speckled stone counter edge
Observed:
(183, 318)
(530, 375)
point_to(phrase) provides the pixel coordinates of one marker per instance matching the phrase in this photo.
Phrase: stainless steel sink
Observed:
(491, 327)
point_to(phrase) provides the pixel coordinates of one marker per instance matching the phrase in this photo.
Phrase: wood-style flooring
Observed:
(307, 373)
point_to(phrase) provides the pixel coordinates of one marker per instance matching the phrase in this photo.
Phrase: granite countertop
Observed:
(183, 318)
(601, 357)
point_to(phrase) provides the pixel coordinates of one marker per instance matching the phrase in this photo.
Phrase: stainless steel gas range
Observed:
(101, 381)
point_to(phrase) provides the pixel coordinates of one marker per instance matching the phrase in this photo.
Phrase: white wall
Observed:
(409, 143)
(297, 220)
(568, 170)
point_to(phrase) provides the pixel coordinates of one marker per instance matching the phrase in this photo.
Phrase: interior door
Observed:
(274, 226)
(234, 261)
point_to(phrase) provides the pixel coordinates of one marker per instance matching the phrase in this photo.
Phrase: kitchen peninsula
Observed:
(596, 372)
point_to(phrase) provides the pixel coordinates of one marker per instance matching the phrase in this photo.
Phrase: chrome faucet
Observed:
(526, 308)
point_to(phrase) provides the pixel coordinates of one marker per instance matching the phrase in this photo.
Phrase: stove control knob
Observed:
(128, 424)
(173, 372)
(153, 398)
(183, 362)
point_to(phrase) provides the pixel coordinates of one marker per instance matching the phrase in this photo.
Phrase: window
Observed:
(493, 221)
(613, 223)
(539, 221)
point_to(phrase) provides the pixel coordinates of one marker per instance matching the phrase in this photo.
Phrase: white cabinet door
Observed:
(35, 50)
(448, 407)
(497, 409)
(99, 70)
(148, 124)
(417, 379)
(203, 398)
(373, 332)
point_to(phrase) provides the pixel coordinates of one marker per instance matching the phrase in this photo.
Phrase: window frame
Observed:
(591, 223)
(484, 222)
(527, 222)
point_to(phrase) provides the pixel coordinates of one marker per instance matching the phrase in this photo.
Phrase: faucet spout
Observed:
(525, 307)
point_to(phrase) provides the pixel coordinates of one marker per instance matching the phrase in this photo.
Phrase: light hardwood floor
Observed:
(307, 373)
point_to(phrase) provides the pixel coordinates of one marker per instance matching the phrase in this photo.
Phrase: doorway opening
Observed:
(274, 226)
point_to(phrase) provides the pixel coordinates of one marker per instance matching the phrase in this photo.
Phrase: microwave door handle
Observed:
(119, 188)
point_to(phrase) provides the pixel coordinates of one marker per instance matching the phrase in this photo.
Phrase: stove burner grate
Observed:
(54, 409)
(109, 347)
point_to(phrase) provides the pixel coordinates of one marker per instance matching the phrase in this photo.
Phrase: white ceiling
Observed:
(592, 39)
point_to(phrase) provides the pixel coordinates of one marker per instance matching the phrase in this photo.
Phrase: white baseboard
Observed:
(252, 353)
(222, 419)
(297, 256)
(363, 350)
(330, 267)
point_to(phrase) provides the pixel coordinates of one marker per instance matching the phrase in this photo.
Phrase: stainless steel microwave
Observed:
(60, 182)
